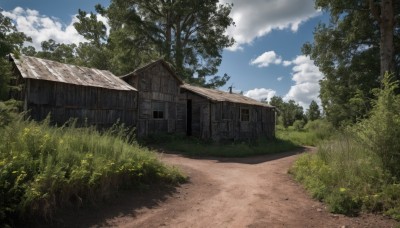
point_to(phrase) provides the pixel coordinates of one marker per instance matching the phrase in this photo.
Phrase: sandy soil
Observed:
(223, 192)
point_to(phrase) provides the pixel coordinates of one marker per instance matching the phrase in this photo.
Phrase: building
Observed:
(161, 109)
(65, 91)
(153, 99)
(221, 116)
(167, 105)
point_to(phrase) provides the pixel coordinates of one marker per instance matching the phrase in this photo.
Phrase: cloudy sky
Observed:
(265, 61)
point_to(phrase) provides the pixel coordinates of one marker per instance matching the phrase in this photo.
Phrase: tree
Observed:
(287, 112)
(349, 51)
(11, 41)
(64, 53)
(313, 112)
(189, 34)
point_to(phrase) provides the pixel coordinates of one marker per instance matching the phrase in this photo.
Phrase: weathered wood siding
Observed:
(158, 87)
(93, 105)
(221, 120)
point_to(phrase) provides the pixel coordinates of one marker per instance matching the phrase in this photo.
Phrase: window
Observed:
(158, 110)
(244, 114)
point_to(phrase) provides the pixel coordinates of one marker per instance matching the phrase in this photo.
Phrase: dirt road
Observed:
(240, 192)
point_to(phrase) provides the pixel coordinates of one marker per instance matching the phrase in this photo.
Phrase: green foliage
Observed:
(313, 112)
(381, 131)
(311, 135)
(10, 42)
(347, 51)
(179, 30)
(288, 112)
(346, 176)
(197, 147)
(43, 168)
(298, 125)
(359, 170)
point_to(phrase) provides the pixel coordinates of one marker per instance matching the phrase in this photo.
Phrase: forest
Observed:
(356, 127)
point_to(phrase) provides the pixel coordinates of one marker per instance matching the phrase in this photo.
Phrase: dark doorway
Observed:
(189, 117)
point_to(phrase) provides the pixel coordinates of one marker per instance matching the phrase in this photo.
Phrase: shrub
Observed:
(381, 131)
(43, 168)
(298, 125)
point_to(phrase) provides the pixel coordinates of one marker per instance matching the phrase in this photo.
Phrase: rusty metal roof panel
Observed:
(217, 95)
(42, 69)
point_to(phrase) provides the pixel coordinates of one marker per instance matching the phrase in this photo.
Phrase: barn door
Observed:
(189, 117)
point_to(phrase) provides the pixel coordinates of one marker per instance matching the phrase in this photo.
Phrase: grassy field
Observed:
(43, 168)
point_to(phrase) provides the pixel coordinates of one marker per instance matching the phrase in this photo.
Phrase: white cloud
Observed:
(286, 63)
(306, 77)
(279, 78)
(257, 18)
(260, 93)
(42, 28)
(266, 58)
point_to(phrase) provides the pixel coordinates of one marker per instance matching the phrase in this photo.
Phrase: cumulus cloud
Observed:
(306, 77)
(260, 94)
(259, 17)
(269, 57)
(42, 28)
(286, 63)
(279, 78)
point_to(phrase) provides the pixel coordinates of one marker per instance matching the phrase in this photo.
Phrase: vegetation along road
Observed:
(229, 192)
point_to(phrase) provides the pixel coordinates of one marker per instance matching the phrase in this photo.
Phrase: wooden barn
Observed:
(220, 116)
(67, 91)
(161, 109)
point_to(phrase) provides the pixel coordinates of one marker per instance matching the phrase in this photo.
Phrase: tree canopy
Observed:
(352, 50)
(189, 34)
(11, 41)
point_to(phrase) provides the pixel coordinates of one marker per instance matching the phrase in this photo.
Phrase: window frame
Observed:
(158, 110)
(244, 115)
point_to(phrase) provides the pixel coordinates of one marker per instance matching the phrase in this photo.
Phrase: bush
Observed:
(43, 168)
(298, 125)
(381, 131)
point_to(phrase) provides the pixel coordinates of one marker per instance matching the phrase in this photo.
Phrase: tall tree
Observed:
(349, 50)
(189, 34)
(94, 53)
(11, 41)
(313, 111)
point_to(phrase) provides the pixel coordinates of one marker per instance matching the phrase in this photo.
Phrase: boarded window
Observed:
(244, 114)
(158, 110)
(226, 111)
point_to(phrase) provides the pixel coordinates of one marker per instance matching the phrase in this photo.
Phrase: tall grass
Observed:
(312, 134)
(43, 168)
(349, 178)
(360, 170)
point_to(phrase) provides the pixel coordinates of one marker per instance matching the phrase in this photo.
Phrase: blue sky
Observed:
(265, 61)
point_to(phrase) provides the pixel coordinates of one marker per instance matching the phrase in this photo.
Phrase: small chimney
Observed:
(230, 89)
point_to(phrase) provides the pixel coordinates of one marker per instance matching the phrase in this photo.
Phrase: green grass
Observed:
(43, 168)
(311, 135)
(349, 178)
(195, 147)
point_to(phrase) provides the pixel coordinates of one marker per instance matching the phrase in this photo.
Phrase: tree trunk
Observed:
(386, 24)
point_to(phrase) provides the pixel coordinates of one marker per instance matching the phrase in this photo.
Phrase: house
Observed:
(67, 91)
(218, 115)
(167, 105)
(161, 109)
(153, 99)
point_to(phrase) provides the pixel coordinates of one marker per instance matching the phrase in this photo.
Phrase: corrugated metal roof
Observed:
(149, 65)
(42, 69)
(217, 95)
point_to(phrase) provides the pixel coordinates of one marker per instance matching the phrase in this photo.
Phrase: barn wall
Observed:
(221, 120)
(97, 106)
(227, 124)
(158, 87)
